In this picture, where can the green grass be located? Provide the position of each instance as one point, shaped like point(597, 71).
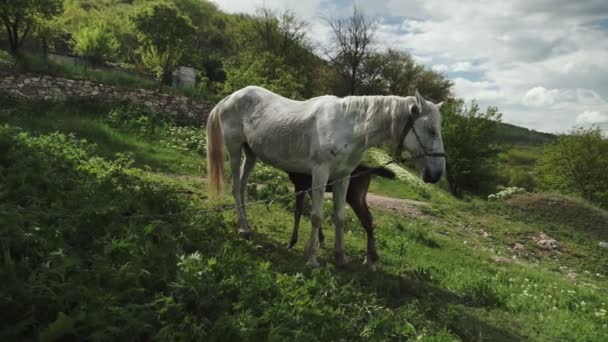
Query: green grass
point(88, 120)
point(97, 247)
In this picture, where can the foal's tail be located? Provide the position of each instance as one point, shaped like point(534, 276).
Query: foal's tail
point(383, 172)
point(215, 155)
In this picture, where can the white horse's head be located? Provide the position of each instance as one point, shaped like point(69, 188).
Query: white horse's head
point(424, 139)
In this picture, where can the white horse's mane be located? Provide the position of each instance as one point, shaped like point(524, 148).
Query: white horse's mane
point(373, 104)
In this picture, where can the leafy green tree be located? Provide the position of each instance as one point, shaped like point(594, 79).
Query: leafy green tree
point(165, 34)
point(19, 17)
point(265, 70)
point(95, 43)
point(576, 164)
point(471, 156)
point(434, 85)
point(400, 72)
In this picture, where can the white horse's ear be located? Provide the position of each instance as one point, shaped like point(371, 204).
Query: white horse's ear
point(439, 105)
point(421, 101)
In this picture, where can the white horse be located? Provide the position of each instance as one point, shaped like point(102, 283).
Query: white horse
point(324, 137)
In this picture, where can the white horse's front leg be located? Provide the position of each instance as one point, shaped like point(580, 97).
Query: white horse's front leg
point(339, 194)
point(235, 168)
point(319, 181)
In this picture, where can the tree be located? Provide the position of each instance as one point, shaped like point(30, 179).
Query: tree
point(400, 72)
point(95, 43)
point(19, 17)
point(164, 33)
point(471, 156)
point(283, 36)
point(265, 70)
point(351, 45)
point(576, 164)
point(433, 85)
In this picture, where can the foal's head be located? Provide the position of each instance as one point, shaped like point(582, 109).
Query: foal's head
point(424, 139)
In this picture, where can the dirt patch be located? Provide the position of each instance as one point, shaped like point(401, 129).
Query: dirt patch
point(406, 207)
point(401, 206)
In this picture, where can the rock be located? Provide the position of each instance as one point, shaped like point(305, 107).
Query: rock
point(547, 244)
point(603, 244)
point(518, 246)
point(501, 260)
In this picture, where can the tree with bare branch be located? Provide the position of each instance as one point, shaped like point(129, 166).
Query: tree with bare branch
point(351, 45)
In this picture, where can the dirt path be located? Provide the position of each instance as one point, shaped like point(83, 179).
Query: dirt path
point(406, 207)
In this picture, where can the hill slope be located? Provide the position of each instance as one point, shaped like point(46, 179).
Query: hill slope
point(118, 246)
point(511, 134)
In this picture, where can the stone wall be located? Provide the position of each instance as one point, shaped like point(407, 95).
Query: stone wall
point(30, 86)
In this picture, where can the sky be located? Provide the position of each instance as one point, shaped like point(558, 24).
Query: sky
point(543, 63)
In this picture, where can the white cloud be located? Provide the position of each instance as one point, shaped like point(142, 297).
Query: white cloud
point(440, 67)
point(462, 66)
point(540, 97)
point(591, 117)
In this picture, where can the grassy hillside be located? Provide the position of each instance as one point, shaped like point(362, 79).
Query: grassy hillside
point(107, 233)
point(511, 134)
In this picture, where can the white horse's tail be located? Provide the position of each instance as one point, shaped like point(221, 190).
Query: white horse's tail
point(215, 155)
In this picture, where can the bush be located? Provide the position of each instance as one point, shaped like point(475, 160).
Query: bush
point(576, 164)
point(95, 43)
point(506, 193)
point(468, 138)
point(264, 70)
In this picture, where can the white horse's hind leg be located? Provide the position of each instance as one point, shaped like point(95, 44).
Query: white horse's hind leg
point(319, 181)
point(235, 167)
point(339, 194)
point(246, 168)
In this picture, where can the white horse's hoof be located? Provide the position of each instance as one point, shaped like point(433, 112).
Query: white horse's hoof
point(312, 262)
point(372, 265)
point(341, 260)
point(245, 234)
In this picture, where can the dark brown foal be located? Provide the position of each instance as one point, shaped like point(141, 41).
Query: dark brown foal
point(355, 197)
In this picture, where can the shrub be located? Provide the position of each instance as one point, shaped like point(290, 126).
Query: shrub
point(468, 137)
point(264, 70)
point(576, 164)
point(506, 193)
point(95, 43)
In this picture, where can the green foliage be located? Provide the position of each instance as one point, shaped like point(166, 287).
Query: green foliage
point(95, 245)
point(510, 134)
point(19, 16)
point(164, 33)
point(576, 164)
point(153, 125)
point(95, 43)
point(264, 70)
point(468, 136)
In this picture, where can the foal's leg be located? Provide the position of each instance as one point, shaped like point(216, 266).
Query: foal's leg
point(235, 160)
point(358, 202)
point(364, 215)
point(339, 193)
point(319, 180)
point(297, 214)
